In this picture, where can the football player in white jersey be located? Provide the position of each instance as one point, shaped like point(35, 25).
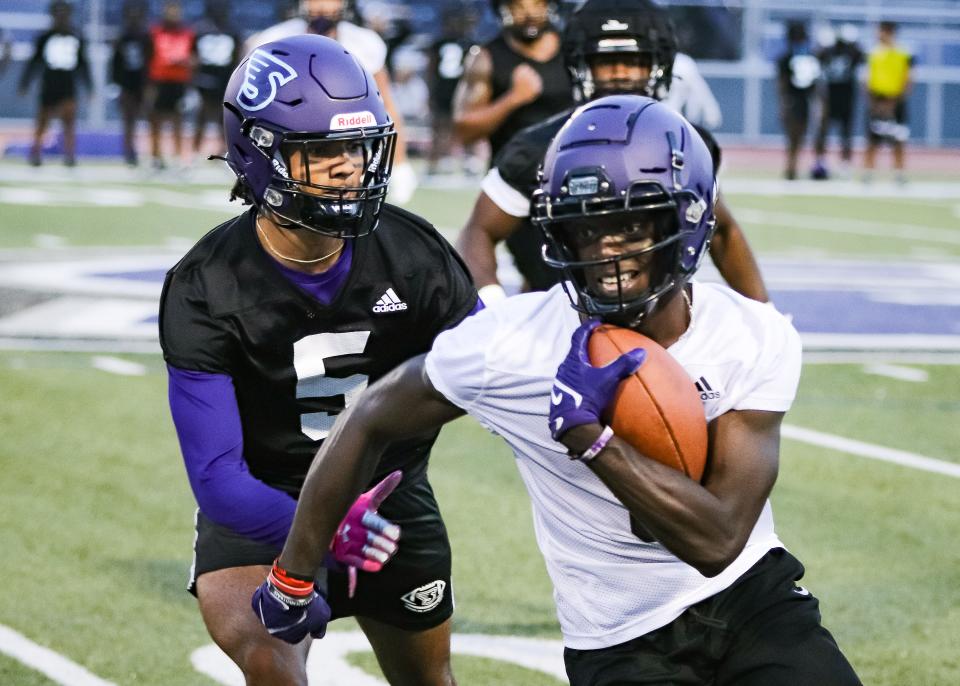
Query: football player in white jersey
point(657, 578)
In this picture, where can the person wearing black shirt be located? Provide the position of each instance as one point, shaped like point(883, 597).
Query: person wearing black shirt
point(271, 326)
point(635, 58)
point(798, 73)
point(839, 63)
point(515, 80)
point(446, 58)
point(59, 57)
point(128, 70)
point(216, 51)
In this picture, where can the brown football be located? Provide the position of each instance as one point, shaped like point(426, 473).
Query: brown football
point(657, 409)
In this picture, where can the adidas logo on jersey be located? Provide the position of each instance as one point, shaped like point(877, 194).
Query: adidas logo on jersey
point(389, 302)
point(706, 392)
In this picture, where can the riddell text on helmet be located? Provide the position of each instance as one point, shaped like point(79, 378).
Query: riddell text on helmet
point(352, 120)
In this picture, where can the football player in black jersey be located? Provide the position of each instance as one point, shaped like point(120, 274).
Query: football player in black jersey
point(270, 326)
point(59, 56)
point(216, 51)
point(514, 80)
point(610, 46)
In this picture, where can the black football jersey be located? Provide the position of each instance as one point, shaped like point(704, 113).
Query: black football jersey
point(215, 50)
point(294, 362)
point(130, 56)
point(518, 164)
point(60, 56)
point(557, 92)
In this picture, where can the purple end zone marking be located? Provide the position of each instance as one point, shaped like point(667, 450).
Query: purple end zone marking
point(154, 275)
point(814, 311)
point(851, 312)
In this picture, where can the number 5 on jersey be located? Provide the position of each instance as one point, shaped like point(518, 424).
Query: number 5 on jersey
point(309, 356)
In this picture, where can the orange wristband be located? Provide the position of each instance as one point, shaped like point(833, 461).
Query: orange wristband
point(288, 583)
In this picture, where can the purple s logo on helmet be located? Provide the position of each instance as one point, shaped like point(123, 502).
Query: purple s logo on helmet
point(263, 77)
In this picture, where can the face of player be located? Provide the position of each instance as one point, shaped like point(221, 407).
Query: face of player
point(528, 18)
point(172, 13)
point(61, 17)
point(134, 16)
point(329, 9)
point(620, 72)
point(630, 237)
point(330, 163)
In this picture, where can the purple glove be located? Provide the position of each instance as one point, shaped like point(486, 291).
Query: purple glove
point(364, 538)
point(580, 390)
point(290, 608)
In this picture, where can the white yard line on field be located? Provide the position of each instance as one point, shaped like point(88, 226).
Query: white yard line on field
point(860, 227)
point(52, 665)
point(871, 451)
point(117, 365)
point(898, 372)
point(328, 665)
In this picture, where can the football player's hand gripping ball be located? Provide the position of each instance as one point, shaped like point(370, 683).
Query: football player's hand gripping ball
point(580, 390)
point(365, 540)
point(289, 607)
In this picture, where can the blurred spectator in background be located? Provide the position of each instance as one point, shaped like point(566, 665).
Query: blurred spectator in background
point(515, 80)
point(888, 85)
point(839, 62)
point(410, 91)
point(60, 59)
point(128, 71)
point(334, 19)
point(446, 56)
point(798, 73)
point(170, 70)
point(391, 21)
point(691, 96)
point(6, 49)
point(215, 52)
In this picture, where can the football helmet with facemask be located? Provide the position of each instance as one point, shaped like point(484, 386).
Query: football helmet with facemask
point(628, 29)
point(626, 205)
point(292, 108)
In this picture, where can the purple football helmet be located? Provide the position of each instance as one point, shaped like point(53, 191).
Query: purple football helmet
point(295, 101)
point(629, 172)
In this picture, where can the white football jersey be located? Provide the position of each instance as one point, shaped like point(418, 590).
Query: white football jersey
point(690, 95)
point(499, 366)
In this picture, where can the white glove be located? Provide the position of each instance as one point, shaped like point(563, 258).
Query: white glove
point(403, 182)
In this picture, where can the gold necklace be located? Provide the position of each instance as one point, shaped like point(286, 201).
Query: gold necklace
point(277, 253)
point(686, 299)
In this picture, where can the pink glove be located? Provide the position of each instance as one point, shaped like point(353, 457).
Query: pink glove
point(364, 538)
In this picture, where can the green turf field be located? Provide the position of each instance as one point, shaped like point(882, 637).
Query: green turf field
point(96, 517)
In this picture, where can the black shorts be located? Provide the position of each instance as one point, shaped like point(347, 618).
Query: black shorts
point(841, 100)
point(56, 96)
point(762, 631)
point(167, 96)
point(795, 111)
point(887, 120)
point(413, 591)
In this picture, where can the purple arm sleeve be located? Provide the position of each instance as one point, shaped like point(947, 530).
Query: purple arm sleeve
point(205, 413)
